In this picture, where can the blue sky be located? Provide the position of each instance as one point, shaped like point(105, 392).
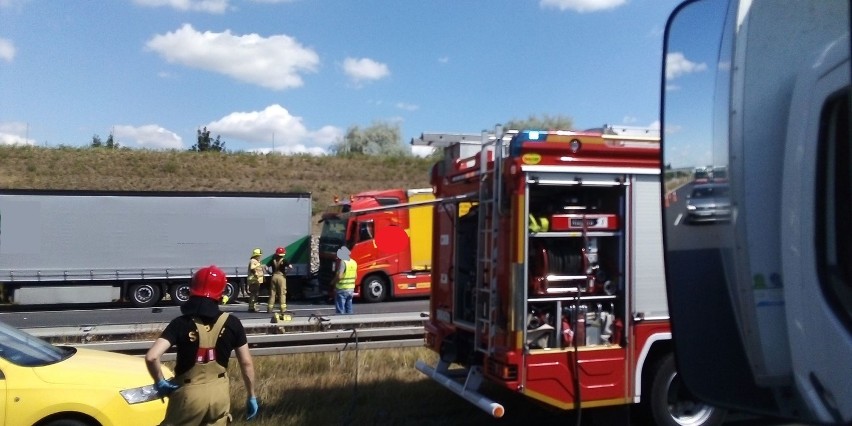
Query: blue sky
point(295, 74)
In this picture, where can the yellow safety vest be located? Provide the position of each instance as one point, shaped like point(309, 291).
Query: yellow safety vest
point(349, 273)
point(539, 225)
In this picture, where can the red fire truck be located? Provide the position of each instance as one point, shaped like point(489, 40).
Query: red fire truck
point(552, 284)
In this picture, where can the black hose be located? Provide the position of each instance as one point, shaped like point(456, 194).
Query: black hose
point(350, 416)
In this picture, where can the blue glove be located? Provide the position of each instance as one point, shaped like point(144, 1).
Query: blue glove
point(165, 387)
point(251, 408)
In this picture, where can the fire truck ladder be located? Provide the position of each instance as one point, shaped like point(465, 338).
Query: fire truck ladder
point(489, 227)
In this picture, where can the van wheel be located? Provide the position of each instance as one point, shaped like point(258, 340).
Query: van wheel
point(179, 293)
point(144, 295)
point(374, 289)
point(671, 404)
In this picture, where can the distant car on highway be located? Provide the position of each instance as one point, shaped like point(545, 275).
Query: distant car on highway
point(708, 202)
point(44, 384)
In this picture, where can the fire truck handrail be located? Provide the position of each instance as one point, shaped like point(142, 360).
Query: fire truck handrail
point(571, 298)
point(550, 234)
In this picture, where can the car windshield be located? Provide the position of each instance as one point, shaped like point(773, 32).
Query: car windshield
point(26, 350)
point(709, 191)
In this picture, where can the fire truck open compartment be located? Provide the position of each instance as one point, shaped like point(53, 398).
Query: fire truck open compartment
point(547, 272)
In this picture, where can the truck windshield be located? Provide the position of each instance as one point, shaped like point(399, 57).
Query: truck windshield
point(333, 229)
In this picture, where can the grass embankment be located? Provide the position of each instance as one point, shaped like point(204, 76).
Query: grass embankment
point(141, 170)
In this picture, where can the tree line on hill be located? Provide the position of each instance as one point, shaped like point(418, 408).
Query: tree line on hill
point(379, 139)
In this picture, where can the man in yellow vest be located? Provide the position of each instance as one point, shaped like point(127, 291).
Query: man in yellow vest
point(344, 282)
point(254, 278)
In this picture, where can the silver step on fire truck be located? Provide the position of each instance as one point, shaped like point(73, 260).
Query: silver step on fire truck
point(552, 284)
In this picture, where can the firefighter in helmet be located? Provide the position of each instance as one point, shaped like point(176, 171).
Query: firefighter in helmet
point(254, 278)
point(278, 267)
point(204, 338)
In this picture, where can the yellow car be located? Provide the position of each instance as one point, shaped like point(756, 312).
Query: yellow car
point(61, 385)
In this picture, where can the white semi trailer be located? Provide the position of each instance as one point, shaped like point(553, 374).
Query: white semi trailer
point(60, 247)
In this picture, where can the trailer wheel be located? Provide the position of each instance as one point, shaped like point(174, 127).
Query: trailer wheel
point(144, 295)
point(179, 293)
point(671, 404)
point(374, 289)
point(230, 291)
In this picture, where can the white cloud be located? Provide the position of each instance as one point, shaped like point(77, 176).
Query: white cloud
point(209, 6)
point(274, 62)
point(582, 5)
point(677, 65)
point(7, 50)
point(364, 69)
point(444, 59)
point(7, 139)
point(10, 134)
point(407, 106)
point(275, 125)
point(148, 136)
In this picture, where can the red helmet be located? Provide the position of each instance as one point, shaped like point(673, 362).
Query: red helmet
point(281, 251)
point(209, 281)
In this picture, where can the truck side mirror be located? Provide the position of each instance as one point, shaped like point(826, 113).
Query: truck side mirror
point(753, 325)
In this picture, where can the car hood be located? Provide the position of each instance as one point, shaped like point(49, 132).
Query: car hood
point(90, 367)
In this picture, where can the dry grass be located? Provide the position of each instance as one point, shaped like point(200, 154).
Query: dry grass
point(142, 170)
point(320, 389)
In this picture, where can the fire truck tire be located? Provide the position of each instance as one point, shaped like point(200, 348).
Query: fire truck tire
point(179, 293)
point(671, 404)
point(144, 295)
point(374, 288)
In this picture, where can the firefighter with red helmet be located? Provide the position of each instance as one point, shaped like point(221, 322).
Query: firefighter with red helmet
point(254, 277)
point(204, 338)
point(278, 266)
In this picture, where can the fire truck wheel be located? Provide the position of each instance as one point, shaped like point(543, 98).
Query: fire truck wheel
point(671, 404)
point(374, 289)
point(144, 295)
point(179, 293)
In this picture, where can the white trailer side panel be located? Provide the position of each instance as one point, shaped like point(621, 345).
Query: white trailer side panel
point(92, 236)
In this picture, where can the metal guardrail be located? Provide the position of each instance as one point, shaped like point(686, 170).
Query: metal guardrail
point(299, 335)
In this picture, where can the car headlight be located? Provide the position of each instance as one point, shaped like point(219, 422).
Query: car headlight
point(141, 394)
point(690, 207)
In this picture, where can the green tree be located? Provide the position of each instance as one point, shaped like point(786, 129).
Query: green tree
point(381, 138)
point(546, 122)
point(206, 143)
point(111, 143)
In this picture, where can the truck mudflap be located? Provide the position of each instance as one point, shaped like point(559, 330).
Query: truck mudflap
point(468, 390)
